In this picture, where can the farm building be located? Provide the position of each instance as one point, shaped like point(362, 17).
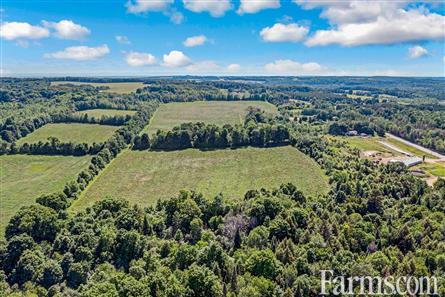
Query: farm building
point(409, 162)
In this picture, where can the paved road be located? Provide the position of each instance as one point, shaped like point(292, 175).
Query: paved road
point(419, 147)
point(395, 148)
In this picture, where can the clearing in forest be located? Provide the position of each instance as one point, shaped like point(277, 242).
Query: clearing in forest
point(219, 113)
point(71, 132)
point(99, 113)
point(115, 87)
point(23, 178)
point(144, 176)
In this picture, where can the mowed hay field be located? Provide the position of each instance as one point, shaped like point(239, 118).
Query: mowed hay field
point(170, 115)
point(25, 177)
point(144, 176)
point(98, 113)
point(71, 132)
point(118, 87)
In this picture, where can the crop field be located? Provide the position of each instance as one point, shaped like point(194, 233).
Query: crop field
point(212, 112)
point(72, 132)
point(25, 177)
point(98, 113)
point(120, 88)
point(143, 177)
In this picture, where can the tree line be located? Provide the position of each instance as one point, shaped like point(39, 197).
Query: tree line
point(117, 120)
point(202, 136)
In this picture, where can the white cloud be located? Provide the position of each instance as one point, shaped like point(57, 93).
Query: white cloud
point(284, 33)
point(67, 29)
point(122, 39)
point(407, 26)
point(216, 8)
point(18, 30)
point(176, 59)
point(142, 6)
point(195, 41)
point(353, 11)
point(204, 67)
point(137, 59)
point(417, 51)
point(365, 22)
point(234, 68)
point(254, 6)
point(289, 67)
point(176, 17)
point(80, 53)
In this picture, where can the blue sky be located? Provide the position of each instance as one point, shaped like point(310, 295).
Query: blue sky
point(222, 37)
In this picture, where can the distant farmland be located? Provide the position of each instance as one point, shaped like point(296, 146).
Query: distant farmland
point(118, 87)
point(212, 112)
point(98, 113)
point(25, 177)
point(143, 177)
point(72, 132)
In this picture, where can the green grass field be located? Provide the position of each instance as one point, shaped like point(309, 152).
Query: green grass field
point(24, 177)
point(98, 113)
point(212, 112)
point(120, 88)
point(142, 176)
point(72, 132)
point(435, 169)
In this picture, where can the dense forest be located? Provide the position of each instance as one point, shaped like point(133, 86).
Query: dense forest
point(375, 220)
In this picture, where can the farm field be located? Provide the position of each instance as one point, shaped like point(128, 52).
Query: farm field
point(212, 112)
point(25, 177)
point(98, 113)
point(71, 132)
point(142, 176)
point(120, 88)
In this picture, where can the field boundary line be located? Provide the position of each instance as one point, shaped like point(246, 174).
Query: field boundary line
point(82, 194)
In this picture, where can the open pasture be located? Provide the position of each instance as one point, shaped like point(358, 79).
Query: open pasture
point(71, 132)
point(23, 178)
point(211, 112)
point(99, 113)
point(143, 177)
point(117, 87)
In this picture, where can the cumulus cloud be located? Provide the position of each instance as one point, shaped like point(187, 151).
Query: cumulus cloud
point(176, 59)
point(289, 67)
point(234, 68)
point(122, 39)
point(67, 29)
point(80, 53)
point(137, 59)
point(164, 6)
point(249, 6)
point(417, 51)
point(216, 8)
point(366, 22)
point(408, 26)
point(20, 30)
point(195, 41)
point(142, 6)
point(352, 11)
point(284, 33)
